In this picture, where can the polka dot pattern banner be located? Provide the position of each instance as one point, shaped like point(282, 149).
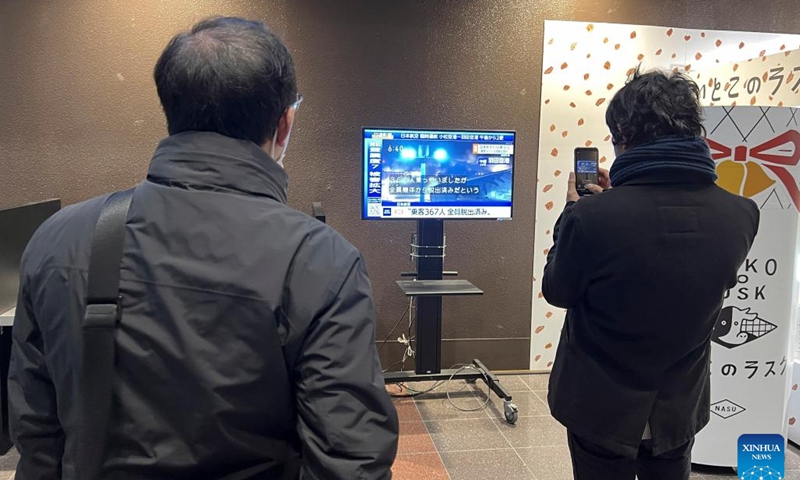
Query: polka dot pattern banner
point(584, 64)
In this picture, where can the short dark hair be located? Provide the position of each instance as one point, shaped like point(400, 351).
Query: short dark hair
point(653, 105)
point(227, 75)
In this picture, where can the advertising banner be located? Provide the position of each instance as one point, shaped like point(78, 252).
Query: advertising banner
point(764, 80)
point(757, 150)
point(585, 64)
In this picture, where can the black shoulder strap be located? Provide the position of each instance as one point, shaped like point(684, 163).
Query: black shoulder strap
point(99, 323)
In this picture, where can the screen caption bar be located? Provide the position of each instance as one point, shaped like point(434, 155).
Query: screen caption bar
point(444, 212)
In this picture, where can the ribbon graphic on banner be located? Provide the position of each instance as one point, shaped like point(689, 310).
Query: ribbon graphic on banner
point(744, 174)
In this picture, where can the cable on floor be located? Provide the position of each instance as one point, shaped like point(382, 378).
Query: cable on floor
point(461, 367)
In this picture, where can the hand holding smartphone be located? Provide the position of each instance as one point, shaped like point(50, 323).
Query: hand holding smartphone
point(587, 169)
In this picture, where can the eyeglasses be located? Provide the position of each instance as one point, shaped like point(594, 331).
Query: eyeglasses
point(297, 102)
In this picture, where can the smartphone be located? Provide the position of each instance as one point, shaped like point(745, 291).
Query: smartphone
point(586, 169)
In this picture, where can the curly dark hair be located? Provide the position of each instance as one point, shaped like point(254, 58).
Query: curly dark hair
point(653, 105)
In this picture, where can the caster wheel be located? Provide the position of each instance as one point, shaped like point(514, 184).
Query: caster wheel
point(511, 412)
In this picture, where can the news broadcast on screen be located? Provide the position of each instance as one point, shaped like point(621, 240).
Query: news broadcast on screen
point(421, 174)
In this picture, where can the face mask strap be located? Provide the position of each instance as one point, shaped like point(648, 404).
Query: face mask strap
point(272, 148)
point(279, 161)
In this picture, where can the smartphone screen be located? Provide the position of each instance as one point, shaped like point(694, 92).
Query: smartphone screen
point(586, 167)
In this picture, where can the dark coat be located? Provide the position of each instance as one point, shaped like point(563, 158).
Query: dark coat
point(247, 335)
point(642, 270)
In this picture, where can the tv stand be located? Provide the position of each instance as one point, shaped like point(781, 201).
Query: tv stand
point(428, 289)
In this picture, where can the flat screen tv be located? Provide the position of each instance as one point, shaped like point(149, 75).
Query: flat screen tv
point(437, 174)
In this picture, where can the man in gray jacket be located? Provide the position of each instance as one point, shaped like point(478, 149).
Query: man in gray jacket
point(245, 348)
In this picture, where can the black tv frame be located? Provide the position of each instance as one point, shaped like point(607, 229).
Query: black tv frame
point(437, 130)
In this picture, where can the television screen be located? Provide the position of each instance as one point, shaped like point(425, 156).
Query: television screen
point(437, 174)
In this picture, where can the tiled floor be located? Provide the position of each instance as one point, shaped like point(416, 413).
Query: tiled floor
point(439, 441)
point(479, 444)
point(8, 463)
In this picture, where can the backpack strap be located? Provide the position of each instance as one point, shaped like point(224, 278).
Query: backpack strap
point(97, 330)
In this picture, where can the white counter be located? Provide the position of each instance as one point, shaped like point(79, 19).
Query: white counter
point(7, 318)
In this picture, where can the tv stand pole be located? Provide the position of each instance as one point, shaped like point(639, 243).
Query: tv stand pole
point(430, 251)
point(428, 288)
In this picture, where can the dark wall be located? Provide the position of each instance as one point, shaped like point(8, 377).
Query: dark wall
point(79, 115)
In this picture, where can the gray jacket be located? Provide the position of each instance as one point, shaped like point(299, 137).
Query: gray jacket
point(246, 346)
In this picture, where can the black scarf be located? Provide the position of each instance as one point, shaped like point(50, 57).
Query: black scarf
point(671, 154)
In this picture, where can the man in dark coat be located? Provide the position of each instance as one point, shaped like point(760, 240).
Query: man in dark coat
point(642, 270)
point(245, 348)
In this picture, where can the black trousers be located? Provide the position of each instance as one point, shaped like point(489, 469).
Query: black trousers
point(593, 462)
